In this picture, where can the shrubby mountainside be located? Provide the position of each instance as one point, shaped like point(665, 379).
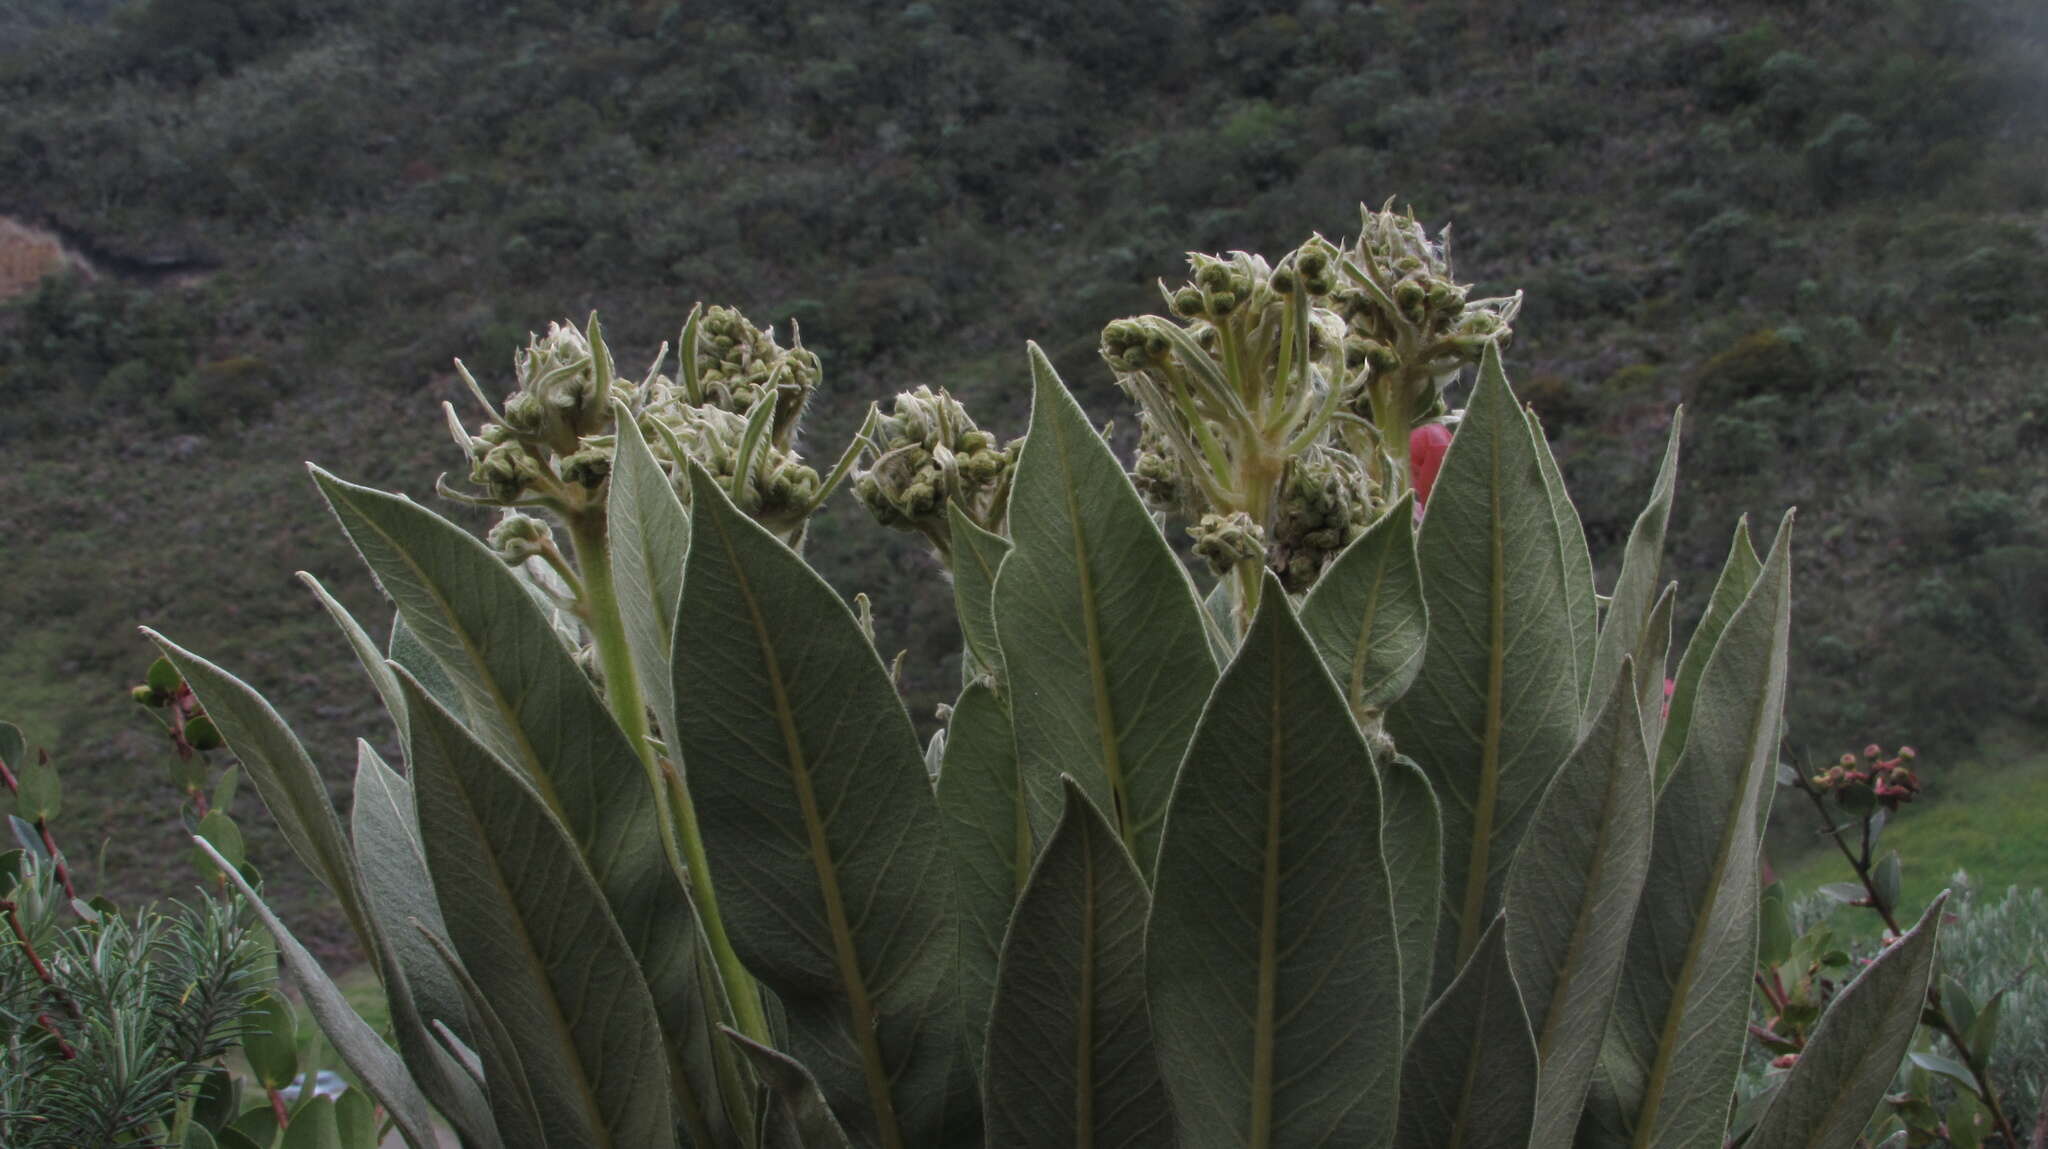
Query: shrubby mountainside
point(1823, 227)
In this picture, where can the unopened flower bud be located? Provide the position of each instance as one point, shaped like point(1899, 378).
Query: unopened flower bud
point(518, 537)
point(588, 468)
point(1228, 540)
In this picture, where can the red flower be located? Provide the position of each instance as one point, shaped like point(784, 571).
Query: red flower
point(1426, 447)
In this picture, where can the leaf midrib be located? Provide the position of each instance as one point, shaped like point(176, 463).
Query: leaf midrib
point(843, 952)
point(1091, 626)
point(1489, 760)
point(1269, 920)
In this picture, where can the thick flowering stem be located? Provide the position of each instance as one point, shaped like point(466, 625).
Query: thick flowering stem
point(600, 611)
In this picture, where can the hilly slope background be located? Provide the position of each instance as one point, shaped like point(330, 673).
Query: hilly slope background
point(1822, 226)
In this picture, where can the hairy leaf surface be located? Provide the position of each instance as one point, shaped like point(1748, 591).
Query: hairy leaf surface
point(988, 834)
point(1627, 618)
point(1103, 647)
point(1273, 967)
point(1468, 1080)
point(1738, 574)
point(1366, 613)
point(648, 536)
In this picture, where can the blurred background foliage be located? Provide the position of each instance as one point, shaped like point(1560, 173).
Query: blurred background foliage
point(1823, 226)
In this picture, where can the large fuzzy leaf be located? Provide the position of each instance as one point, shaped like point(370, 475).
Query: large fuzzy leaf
point(528, 701)
point(285, 776)
point(366, 651)
point(1496, 706)
point(1677, 1031)
point(418, 984)
point(1738, 574)
point(814, 803)
point(797, 1116)
point(1842, 1074)
point(977, 556)
point(1652, 657)
point(1581, 601)
point(1271, 955)
point(1571, 897)
point(1412, 839)
point(1468, 1080)
point(1627, 618)
point(532, 928)
point(375, 1064)
point(1103, 647)
point(1367, 616)
point(649, 535)
point(1070, 1056)
point(988, 835)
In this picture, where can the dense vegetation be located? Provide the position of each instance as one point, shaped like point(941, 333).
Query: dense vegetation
point(1819, 225)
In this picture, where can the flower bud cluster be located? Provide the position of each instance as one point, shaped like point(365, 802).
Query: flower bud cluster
point(1408, 320)
point(1891, 781)
point(553, 444)
point(1326, 501)
point(1227, 540)
point(737, 363)
point(518, 537)
point(927, 452)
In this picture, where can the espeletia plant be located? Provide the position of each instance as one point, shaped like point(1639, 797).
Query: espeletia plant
point(1371, 827)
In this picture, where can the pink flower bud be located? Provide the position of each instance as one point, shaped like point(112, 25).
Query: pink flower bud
point(1785, 1061)
point(1872, 750)
point(1426, 447)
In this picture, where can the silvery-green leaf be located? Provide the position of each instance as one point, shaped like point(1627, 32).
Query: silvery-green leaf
point(813, 800)
point(1651, 656)
point(649, 535)
point(977, 556)
point(376, 1064)
point(1411, 837)
point(418, 985)
point(1627, 619)
point(1571, 896)
point(532, 928)
point(525, 699)
point(1070, 1054)
point(1495, 708)
point(1738, 574)
point(988, 832)
point(1468, 1080)
point(1677, 1030)
point(1366, 613)
point(1104, 651)
point(1849, 1062)
point(797, 1117)
point(1272, 963)
point(406, 650)
point(515, 1114)
point(285, 776)
point(1582, 600)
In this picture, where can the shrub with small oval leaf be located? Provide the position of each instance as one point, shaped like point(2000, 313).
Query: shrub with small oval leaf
point(1382, 834)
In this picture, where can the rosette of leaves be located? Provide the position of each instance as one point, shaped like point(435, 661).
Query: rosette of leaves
point(925, 455)
point(1416, 860)
point(1412, 323)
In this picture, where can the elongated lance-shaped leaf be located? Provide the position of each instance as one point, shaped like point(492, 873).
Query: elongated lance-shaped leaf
point(513, 1110)
point(797, 1116)
point(366, 651)
point(417, 984)
point(649, 535)
point(532, 928)
point(977, 556)
point(285, 776)
point(528, 701)
point(1581, 600)
point(1842, 1074)
point(1571, 896)
point(813, 800)
point(1468, 1080)
point(988, 837)
point(1367, 616)
point(1412, 840)
point(1496, 706)
point(1271, 957)
point(1635, 589)
point(406, 649)
point(1103, 646)
point(1070, 1055)
point(376, 1064)
point(1677, 1029)
point(1738, 574)
point(1652, 656)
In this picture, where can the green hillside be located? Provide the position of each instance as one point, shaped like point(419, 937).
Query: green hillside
point(1821, 226)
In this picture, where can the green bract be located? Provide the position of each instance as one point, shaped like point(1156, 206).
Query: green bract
point(1383, 838)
